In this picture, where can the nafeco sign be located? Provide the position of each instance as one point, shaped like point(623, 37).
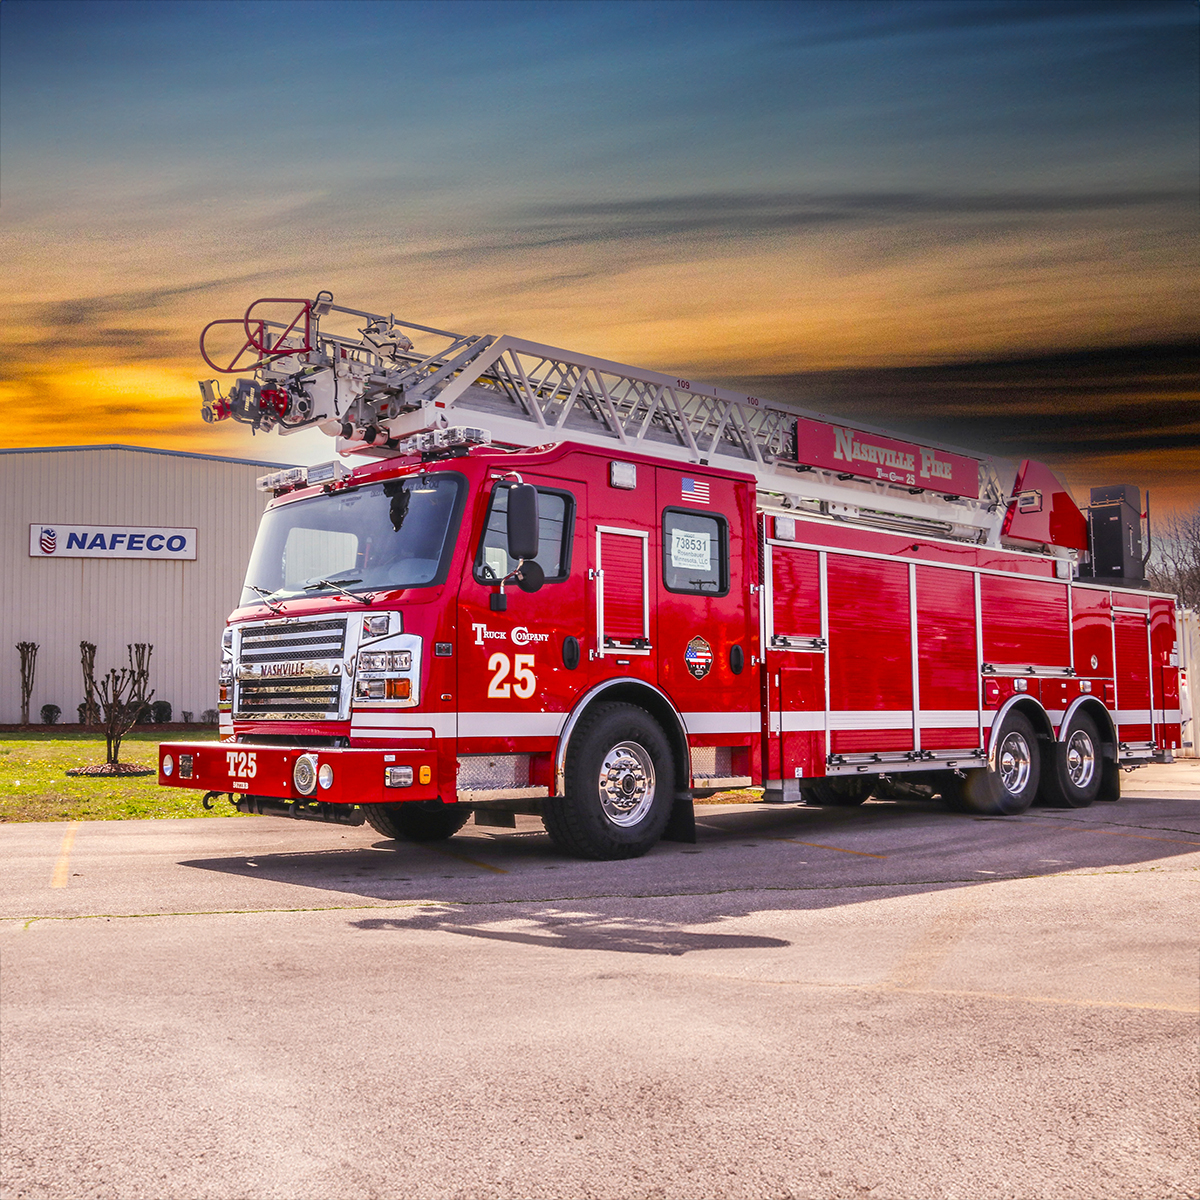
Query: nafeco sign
point(873, 456)
point(51, 539)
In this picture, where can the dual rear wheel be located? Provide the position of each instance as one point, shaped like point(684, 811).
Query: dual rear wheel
point(1062, 774)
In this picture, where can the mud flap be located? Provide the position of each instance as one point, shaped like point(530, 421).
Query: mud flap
point(1110, 780)
point(681, 825)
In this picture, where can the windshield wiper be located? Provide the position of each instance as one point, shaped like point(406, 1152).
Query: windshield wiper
point(337, 587)
point(266, 597)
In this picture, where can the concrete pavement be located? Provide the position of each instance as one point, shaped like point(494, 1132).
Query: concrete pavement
point(895, 1001)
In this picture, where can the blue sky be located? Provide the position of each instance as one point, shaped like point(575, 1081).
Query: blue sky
point(778, 190)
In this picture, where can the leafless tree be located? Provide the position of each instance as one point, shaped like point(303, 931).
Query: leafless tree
point(123, 695)
point(28, 652)
point(1174, 564)
point(90, 713)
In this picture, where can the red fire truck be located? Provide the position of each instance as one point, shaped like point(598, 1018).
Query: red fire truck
point(561, 586)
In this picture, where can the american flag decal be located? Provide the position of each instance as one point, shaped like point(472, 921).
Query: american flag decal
point(697, 657)
point(48, 541)
point(695, 490)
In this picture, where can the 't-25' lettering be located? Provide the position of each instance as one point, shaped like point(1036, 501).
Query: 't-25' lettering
point(524, 681)
point(242, 763)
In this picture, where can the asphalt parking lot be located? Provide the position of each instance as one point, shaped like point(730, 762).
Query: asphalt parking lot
point(895, 1001)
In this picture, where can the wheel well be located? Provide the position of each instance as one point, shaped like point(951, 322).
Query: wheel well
point(1037, 716)
point(1104, 724)
point(654, 703)
point(1032, 711)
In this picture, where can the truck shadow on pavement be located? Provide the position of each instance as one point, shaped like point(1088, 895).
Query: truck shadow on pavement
point(578, 931)
point(791, 857)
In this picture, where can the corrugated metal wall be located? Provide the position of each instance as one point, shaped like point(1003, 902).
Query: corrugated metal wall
point(180, 607)
point(1189, 669)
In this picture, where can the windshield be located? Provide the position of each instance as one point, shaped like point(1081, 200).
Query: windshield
point(397, 534)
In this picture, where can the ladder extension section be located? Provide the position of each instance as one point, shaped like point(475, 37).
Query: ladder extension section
point(376, 389)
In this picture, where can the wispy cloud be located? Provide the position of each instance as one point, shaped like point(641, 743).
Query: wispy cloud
point(1097, 415)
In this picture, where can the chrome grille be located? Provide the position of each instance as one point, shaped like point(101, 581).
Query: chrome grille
point(290, 670)
point(315, 694)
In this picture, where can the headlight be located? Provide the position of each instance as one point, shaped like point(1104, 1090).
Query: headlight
point(168, 765)
point(398, 776)
point(304, 774)
point(385, 660)
point(325, 775)
point(227, 639)
point(383, 689)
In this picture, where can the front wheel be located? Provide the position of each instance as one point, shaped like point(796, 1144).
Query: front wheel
point(620, 785)
point(1073, 776)
point(414, 823)
point(1009, 783)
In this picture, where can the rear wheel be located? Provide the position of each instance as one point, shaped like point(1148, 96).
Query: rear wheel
point(1009, 783)
point(620, 782)
point(844, 792)
point(1073, 776)
point(415, 823)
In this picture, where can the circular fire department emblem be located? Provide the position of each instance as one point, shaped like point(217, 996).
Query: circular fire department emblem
point(698, 657)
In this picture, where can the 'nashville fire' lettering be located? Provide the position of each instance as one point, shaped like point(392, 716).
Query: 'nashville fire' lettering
point(848, 448)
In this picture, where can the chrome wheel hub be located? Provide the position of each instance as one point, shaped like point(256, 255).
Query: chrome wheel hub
point(1014, 762)
point(1081, 759)
point(626, 784)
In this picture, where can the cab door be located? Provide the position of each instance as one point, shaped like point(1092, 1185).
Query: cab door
point(519, 666)
point(707, 618)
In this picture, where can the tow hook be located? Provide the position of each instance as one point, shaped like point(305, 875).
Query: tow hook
point(210, 798)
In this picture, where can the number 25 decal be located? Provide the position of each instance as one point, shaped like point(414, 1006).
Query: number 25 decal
point(524, 680)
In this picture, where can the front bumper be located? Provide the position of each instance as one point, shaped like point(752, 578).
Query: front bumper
point(358, 776)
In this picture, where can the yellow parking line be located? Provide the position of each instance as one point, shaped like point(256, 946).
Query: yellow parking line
point(472, 862)
point(62, 868)
point(839, 849)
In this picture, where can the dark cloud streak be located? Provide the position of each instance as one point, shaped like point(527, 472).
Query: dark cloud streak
point(1066, 408)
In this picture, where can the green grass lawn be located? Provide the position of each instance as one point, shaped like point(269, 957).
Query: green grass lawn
point(34, 785)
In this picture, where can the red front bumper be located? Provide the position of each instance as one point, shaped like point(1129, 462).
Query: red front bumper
point(359, 776)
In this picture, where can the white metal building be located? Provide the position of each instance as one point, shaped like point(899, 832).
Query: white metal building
point(119, 544)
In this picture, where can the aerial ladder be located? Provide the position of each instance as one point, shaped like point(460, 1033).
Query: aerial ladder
point(391, 387)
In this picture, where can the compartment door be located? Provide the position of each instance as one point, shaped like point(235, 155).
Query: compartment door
point(796, 640)
point(622, 591)
point(1131, 636)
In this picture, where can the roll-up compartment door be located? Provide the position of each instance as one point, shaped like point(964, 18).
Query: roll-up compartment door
point(622, 594)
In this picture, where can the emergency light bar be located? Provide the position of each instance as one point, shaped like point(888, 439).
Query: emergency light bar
point(444, 439)
point(333, 472)
point(327, 472)
point(293, 477)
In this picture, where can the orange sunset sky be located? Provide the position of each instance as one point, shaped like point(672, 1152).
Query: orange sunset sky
point(975, 222)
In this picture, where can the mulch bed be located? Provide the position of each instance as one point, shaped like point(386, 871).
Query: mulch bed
point(110, 769)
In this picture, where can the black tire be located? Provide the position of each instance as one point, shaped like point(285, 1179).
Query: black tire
point(1009, 787)
point(1072, 776)
point(415, 823)
point(622, 745)
point(842, 791)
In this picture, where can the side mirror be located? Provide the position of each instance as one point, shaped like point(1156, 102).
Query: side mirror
point(523, 521)
point(530, 576)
